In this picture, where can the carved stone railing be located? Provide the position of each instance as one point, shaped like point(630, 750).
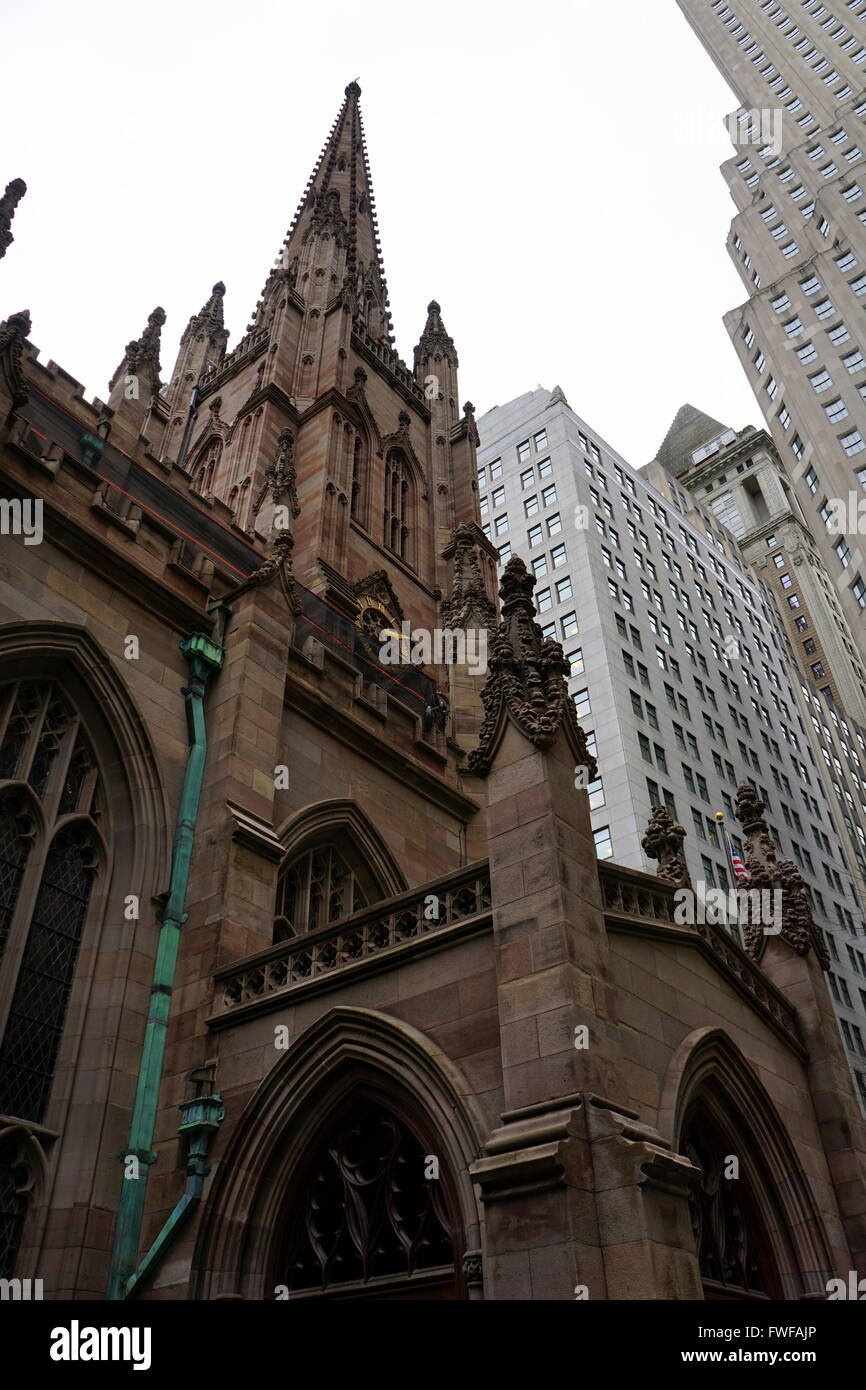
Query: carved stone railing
point(642, 903)
point(459, 900)
point(629, 893)
point(248, 346)
point(391, 360)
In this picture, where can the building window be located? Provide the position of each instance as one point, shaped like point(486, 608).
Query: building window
point(317, 888)
point(399, 505)
point(603, 843)
point(44, 748)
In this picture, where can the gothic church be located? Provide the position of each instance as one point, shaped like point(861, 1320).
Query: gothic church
point(311, 984)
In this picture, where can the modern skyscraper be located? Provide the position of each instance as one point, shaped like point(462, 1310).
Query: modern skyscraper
point(798, 241)
point(738, 479)
point(681, 669)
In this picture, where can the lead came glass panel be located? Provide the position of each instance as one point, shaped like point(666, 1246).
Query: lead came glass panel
point(367, 1211)
point(38, 1010)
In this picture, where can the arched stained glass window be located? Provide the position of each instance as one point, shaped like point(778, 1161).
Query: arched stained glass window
point(16, 833)
point(399, 505)
point(13, 1209)
point(734, 1250)
point(316, 888)
point(366, 1218)
point(35, 1024)
point(46, 754)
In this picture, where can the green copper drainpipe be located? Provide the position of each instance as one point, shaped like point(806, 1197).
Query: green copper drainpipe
point(200, 1119)
point(205, 659)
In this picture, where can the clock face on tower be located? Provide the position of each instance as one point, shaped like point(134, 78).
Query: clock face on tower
point(380, 617)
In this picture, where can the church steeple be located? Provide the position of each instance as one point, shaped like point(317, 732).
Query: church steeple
point(333, 236)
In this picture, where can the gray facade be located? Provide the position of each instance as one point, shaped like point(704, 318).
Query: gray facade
point(683, 675)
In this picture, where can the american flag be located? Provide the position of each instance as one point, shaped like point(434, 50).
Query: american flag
point(737, 864)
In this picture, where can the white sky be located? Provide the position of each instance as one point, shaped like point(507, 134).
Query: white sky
point(547, 171)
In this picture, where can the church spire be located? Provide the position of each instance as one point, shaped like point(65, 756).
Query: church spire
point(338, 208)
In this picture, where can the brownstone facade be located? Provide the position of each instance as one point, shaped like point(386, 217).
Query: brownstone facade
point(424, 1044)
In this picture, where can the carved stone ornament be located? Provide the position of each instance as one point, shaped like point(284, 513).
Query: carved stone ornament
point(208, 324)
point(327, 218)
point(280, 479)
point(527, 680)
point(13, 333)
point(277, 565)
point(375, 592)
point(767, 873)
point(141, 357)
point(8, 203)
point(434, 338)
point(468, 604)
point(664, 841)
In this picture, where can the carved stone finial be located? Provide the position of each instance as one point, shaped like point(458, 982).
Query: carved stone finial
point(209, 323)
point(768, 873)
point(279, 481)
point(435, 339)
point(467, 604)
point(13, 333)
point(404, 420)
point(664, 841)
point(527, 680)
point(141, 358)
point(8, 203)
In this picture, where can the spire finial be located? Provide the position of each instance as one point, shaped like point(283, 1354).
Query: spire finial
point(8, 203)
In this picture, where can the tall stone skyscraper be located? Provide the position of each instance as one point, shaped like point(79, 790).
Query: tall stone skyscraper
point(798, 241)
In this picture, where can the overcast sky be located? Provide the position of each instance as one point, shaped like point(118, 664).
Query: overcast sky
point(547, 171)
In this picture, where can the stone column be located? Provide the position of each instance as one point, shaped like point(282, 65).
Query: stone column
point(581, 1200)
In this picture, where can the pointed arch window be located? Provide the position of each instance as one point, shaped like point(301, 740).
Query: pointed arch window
point(357, 506)
point(317, 888)
point(734, 1250)
point(399, 505)
point(204, 470)
point(45, 757)
point(13, 1208)
point(366, 1221)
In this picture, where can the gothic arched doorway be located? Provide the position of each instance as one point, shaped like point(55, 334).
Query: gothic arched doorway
point(371, 1213)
